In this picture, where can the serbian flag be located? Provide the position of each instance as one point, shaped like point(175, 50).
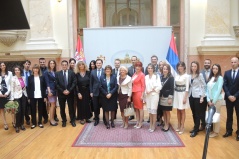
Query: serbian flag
point(172, 55)
point(79, 55)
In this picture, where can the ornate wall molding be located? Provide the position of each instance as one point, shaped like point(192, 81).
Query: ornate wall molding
point(9, 37)
point(236, 30)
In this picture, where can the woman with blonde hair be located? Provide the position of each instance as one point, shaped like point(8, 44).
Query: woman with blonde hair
point(124, 93)
point(83, 92)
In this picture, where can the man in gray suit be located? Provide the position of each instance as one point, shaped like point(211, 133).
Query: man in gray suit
point(154, 61)
point(205, 72)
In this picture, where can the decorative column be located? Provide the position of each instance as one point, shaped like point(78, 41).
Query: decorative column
point(217, 27)
point(160, 17)
point(94, 18)
point(41, 24)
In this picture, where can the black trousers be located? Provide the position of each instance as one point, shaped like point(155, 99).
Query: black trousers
point(70, 102)
point(33, 103)
point(196, 111)
point(97, 106)
point(27, 110)
point(203, 106)
point(230, 108)
point(21, 110)
point(44, 111)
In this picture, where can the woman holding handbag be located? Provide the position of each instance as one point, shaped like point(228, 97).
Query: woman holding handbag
point(214, 96)
point(152, 89)
point(166, 95)
point(19, 94)
point(124, 93)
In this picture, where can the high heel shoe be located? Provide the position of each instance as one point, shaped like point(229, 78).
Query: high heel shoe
point(181, 131)
point(112, 125)
point(17, 129)
point(165, 130)
point(14, 125)
point(5, 127)
point(126, 126)
point(139, 126)
point(107, 126)
point(53, 124)
point(152, 130)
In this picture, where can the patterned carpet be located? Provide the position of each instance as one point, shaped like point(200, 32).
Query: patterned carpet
point(99, 136)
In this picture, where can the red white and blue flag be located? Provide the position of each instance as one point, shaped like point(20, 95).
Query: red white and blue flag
point(172, 56)
point(79, 55)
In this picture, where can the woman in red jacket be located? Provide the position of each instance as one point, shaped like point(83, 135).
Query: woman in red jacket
point(138, 80)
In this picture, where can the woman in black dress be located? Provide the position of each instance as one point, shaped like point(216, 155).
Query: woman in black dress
point(83, 92)
point(166, 95)
point(92, 66)
point(72, 63)
point(108, 93)
point(5, 79)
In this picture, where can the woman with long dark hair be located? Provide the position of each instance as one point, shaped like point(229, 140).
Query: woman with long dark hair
point(214, 94)
point(50, 80)
point(5, 89)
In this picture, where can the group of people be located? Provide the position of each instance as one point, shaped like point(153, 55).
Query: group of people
point(87, 89)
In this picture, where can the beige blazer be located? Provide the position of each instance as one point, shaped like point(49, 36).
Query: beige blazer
point(125, 86)
point(8, 82)
point(16, 89)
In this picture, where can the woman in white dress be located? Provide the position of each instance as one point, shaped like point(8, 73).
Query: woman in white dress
point(181, 101)
point(153, 87)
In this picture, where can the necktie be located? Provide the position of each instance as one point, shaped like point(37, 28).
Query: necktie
point(26, 73)
point(65, 81)
point(98, 74)
point(233, 75)
point(116, 71)
point(207, 75)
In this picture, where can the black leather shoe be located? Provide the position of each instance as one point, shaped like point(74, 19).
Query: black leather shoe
point(131, 117)
point(148, 121)
point(45, 121)
point(227, 134)
point(63, 124)
point(237, 138)
point(96, 123)
point(33, 126)
point(193, 131)
point(112, 125)
point(87, 121)
point(73, 124)
point(28, 122)
point(105, 122)
point(193, 134)
point(23, 128)
point(107, 126)
point(17, 129)
point(40, 125)
point(56, 119)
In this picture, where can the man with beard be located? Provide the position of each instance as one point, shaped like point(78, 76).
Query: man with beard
point(206, 72)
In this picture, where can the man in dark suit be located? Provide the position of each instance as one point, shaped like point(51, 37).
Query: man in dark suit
point(26, 73)
point(116, 70)
point(65, 85)
point(231, 89)
point(95, 89)
point(154, 61)
point(205, 72)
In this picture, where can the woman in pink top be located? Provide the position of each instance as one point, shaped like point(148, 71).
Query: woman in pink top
point(138, 80)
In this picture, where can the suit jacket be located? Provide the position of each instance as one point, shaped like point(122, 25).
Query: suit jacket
point(156, 70)
point(139, 83)
point(125, 86)
point(198, 87)
point(8, 79)
point(231, 87)
point(16, 89)
point(31, 87)
point(113, 72)
point(50, 81)
point(168, 88)
point(60, 85)
point(204, 74)
point(95, 82)
point(131, 71)
point(30, 72)
point(113, 85)
point(215, 92)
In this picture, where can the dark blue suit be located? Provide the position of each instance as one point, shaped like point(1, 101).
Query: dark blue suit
point(95, 89)
point(50, 80)
point(231, 88)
